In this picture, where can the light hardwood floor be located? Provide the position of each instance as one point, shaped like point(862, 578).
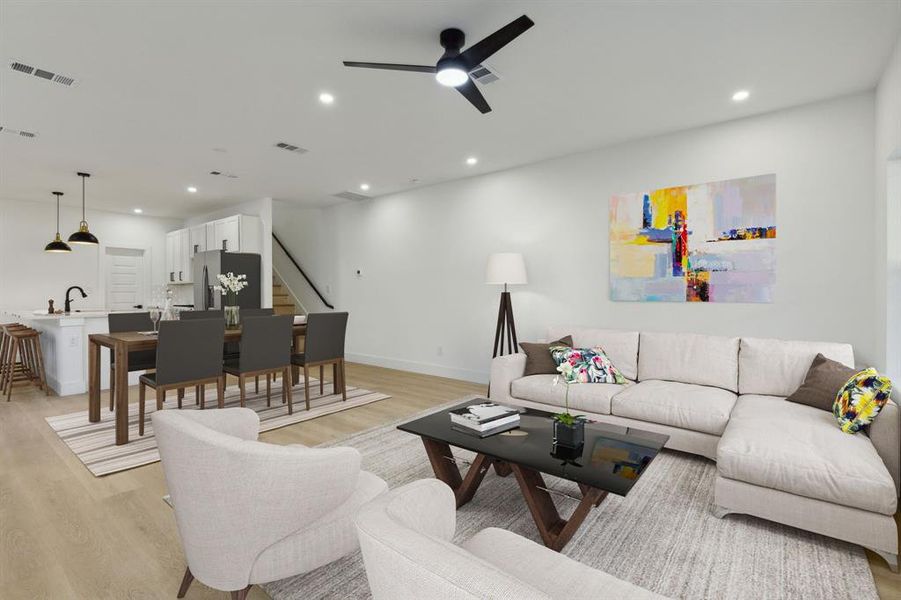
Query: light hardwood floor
point(67, 534)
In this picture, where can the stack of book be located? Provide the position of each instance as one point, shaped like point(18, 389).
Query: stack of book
point(484, 419)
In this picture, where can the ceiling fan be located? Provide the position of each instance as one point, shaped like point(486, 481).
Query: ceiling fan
point(454, 66)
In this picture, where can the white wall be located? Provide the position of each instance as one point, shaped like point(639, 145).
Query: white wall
point(421, 303)
point(29, 276)
point(888, 211)
point(261, 208)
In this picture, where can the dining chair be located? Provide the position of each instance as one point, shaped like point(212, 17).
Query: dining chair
point(138, 360)
point(249, 512)
point(232, 349)
point(187, 353)
point(265, 349)
point(323, 345)
point(191, 315)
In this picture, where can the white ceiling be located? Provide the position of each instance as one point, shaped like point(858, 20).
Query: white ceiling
point(161, 85)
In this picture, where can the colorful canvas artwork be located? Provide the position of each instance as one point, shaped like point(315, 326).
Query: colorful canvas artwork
point(712, 242)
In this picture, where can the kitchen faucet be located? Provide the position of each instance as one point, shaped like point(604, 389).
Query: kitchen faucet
point(68, 307)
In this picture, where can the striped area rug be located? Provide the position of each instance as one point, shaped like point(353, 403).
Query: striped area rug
point(95, 443)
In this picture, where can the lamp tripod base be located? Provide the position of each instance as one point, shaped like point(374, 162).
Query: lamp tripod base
point(505, 341)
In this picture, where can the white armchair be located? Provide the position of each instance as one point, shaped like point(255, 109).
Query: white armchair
point(250, 512)
point(406, 535)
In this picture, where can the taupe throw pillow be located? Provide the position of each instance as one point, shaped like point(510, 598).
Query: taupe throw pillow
point(538, 356)
point(823, 381)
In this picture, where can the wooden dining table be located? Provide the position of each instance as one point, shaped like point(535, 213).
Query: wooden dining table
point(119, 345)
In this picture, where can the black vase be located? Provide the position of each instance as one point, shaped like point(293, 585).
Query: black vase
point(570, 436)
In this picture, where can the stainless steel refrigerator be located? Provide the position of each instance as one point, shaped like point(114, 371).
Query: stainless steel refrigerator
point(207, 265)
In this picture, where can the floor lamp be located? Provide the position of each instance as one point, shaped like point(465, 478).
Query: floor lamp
point(505, 268)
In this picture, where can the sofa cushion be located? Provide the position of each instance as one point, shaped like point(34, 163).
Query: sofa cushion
point(585, 365)
point(824, 380)
point(590, 397)
point(861, 399)
point(689, 358)
point(778, 367)
point(688, 406)
point(798, 449)
point(538, 356)
point(620, 346)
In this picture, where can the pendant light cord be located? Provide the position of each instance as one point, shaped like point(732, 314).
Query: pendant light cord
point(82, 198)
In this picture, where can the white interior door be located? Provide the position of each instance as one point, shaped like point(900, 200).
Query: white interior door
point(124, 278)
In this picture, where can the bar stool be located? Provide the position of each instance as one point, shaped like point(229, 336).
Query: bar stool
point(21, 359)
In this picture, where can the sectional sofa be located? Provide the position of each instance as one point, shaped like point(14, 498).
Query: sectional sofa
point(724, 398)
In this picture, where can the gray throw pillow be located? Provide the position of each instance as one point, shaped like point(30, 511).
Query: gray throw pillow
point(538, 356)
point(823, 381)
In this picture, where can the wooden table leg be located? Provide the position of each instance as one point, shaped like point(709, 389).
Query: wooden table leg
point(555, 531)
point(93, 381)
point(121, 394)
point(446, 469)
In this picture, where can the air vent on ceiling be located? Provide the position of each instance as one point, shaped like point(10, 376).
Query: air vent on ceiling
point(42, 73)
point(229, 175)
point(351, 196)
point(18, 132)
point(484, 74)
point(291, 148)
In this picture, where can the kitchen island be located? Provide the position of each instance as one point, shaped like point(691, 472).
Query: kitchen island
point(64, 342)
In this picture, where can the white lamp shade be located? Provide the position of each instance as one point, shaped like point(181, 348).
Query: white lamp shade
point(506, 268)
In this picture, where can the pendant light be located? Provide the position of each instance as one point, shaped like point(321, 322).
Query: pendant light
point(83, 235)
point(57, 245)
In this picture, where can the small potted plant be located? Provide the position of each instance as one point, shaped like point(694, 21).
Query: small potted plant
point(229, 286)
point(569, 429)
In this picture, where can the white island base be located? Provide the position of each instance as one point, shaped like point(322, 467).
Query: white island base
point(64, 342)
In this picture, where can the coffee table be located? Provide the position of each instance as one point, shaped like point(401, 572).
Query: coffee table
point(612, 460)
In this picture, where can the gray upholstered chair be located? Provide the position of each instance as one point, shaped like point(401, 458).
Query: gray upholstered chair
point(232, 349)
point(187, 353)
point(139, 360)
point(265, 349)
point(193, 315)
point(406, 535)
point(323, 345)
point(249, 512)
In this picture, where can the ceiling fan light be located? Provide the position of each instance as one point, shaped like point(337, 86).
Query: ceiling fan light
point(452, 77)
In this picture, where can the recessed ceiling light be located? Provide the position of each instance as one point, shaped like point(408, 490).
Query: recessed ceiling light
point(472, 160)
point(741, 95)
point(364, 187)
point(326, 98)
point(192, 189)
point(138, 211)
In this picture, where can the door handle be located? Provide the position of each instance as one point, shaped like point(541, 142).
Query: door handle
point(179, 276)
point(225, 244)
point(171, 275)
point(196, 248)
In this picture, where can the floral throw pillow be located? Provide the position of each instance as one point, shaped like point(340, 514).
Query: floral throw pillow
point(861, 399)
point(585, 365)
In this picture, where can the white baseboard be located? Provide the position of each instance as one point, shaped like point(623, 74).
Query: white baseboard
point(420, 367)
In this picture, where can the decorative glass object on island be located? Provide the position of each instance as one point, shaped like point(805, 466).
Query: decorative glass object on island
point(569, 429)
point(229, 286)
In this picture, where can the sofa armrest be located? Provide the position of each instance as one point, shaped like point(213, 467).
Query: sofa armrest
point(885, 433)
point(504, 370)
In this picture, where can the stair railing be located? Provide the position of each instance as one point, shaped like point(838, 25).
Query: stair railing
point(301, 271)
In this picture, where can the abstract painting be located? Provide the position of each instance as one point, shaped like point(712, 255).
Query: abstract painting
point(711, 242)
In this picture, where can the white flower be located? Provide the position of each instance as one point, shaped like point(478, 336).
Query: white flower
point(231, 283)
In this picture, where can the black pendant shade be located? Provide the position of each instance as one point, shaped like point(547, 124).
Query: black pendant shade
point(83, 235)
point(57, 245)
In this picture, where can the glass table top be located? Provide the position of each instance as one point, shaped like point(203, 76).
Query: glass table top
point(613, 457)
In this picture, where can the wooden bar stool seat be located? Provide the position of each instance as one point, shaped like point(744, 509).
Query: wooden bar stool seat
point(21, 359)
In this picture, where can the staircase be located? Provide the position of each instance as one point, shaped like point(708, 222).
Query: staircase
point(282, 302)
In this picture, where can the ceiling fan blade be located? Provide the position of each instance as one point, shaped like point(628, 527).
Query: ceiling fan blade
point(472, 93)
point(475, 54)
point(390, 66)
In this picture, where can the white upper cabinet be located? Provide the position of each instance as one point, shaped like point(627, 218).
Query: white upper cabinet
point(238, 233)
